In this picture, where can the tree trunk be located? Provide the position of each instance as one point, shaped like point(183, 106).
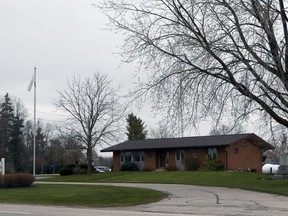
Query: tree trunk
point(89, 160)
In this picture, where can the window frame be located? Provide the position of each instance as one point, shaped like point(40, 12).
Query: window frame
point(131, 155)
point(180, 155)
point(212, 153)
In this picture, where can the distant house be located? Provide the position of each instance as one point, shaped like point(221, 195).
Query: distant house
point(237, 152)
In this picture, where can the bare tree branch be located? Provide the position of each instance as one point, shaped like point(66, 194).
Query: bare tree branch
point(95, 111)
point(220, 57)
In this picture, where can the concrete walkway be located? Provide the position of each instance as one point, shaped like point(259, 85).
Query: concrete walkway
point(198, 200)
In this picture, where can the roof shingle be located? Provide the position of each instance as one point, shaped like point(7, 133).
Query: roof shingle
point(186, 142)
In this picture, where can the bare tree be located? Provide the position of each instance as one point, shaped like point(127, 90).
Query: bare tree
point(95, 111)
point(162, 131)
point(73, 149)
point(226, 129)
point(223, 58)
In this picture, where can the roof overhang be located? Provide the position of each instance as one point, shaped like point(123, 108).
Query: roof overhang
point(188, 143)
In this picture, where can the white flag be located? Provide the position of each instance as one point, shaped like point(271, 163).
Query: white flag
point(31, 82)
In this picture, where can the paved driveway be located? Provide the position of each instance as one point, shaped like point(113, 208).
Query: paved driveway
point(197, 200)
point(183, 200)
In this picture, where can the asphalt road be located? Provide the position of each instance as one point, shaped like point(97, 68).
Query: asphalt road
point(182, 200)
point(22, 210)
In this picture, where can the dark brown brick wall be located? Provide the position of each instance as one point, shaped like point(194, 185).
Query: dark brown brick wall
point(150, 162)
point(116, 161)
point(171, 160)
point(244, 155)
point(221, 153)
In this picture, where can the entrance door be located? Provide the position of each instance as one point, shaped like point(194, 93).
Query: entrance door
point(162, 159)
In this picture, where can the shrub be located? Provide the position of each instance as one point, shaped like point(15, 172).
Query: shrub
point(16, 180)
point(69, 166)
point(8, 180)
point(129, 167)
point(84, 166)
point(66, 171)
point(25, 179)
point(212, 165)
point(72, 169)
point(82, 169)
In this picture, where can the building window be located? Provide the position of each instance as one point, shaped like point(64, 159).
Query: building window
point(131, 157)
point(236, 150)
point(212, 153)
point(138, 156)
point(180, 155)
point(122, 157)
point(128, 157)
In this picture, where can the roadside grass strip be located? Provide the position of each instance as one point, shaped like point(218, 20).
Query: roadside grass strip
point(80, 195)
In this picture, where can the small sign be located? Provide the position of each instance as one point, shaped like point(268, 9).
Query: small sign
point(2, 166)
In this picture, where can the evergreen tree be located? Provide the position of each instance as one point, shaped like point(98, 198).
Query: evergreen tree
point(17, 147)
point(135, 127)
point(6, 128)
point(12, 145)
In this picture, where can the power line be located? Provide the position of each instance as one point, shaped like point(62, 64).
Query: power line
point(52, 114)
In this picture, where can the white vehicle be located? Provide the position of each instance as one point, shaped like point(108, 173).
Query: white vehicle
point(102, 169)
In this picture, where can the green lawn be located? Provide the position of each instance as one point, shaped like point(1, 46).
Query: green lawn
point(79, 195)
point(249, 181)
point(109, 196)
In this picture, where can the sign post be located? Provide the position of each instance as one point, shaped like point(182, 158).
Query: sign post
point(2, 166)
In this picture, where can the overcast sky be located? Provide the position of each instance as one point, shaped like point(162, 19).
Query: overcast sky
point(60, 38)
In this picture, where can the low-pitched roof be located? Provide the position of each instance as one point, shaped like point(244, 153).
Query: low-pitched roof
point(187, 142)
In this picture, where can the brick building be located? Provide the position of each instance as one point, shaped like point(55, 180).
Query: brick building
point(237, 152)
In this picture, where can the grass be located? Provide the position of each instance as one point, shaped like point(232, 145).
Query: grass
point(79, 195)
point(248, 181)
point(109, 196)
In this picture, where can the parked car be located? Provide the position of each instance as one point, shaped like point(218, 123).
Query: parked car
point(102, 169)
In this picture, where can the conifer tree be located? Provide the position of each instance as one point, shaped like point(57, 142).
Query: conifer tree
point(135, 127)
point(6, 125)
point(11, 135)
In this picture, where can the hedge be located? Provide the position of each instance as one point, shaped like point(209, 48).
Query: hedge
point(129, 167)
point(212, 165)
point(16, 180)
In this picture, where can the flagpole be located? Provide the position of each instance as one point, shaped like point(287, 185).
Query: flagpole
point(34, 124)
